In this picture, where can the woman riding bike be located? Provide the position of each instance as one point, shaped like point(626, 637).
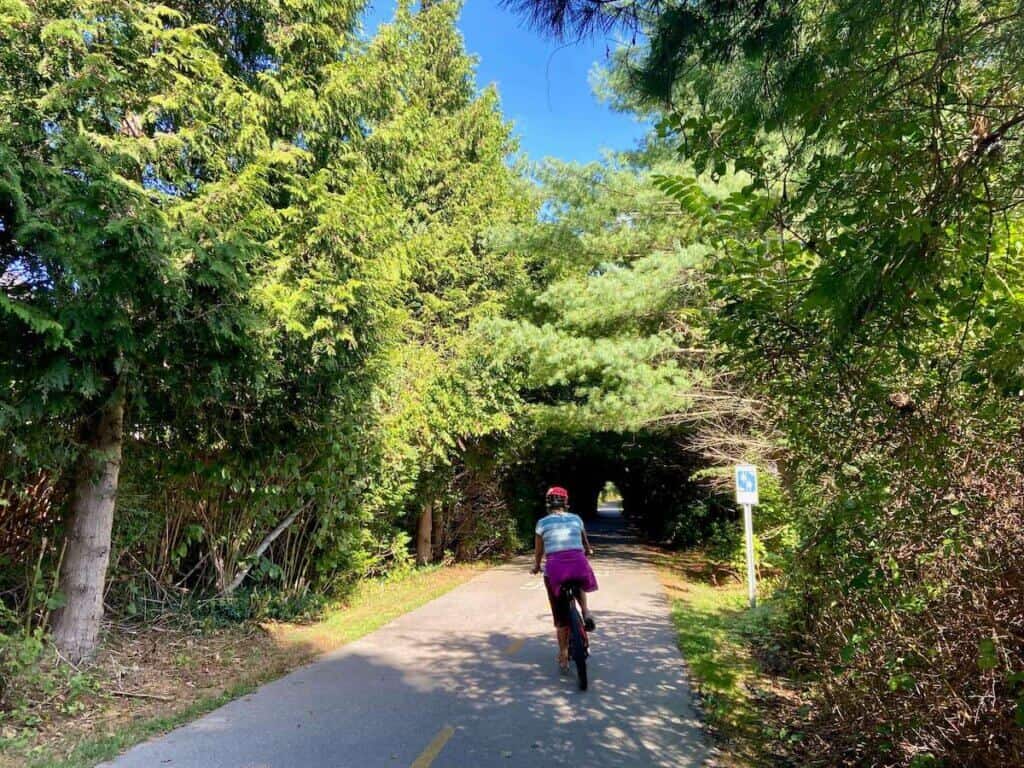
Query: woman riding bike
point(560, 536)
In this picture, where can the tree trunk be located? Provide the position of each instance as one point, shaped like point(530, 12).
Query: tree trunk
point(423, 544)
point(437, 544)
point(84, 571)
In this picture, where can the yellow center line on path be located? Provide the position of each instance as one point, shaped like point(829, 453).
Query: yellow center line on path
point(514, 646)
point(429, 755)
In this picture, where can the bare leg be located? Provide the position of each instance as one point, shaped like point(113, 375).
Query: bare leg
point(563, 646)
point(588, 620)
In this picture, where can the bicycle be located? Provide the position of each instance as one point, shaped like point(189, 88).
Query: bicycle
point(579, 642)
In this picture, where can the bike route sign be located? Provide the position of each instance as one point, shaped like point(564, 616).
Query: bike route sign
point(746, 484)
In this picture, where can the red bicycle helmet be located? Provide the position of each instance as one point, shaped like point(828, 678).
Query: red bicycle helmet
point(557, 496)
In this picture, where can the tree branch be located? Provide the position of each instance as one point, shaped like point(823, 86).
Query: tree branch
point(267, 541)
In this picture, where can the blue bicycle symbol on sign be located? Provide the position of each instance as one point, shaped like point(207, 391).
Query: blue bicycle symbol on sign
point(746, 484)
point(747, 481)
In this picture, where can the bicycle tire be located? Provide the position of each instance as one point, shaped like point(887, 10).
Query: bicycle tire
point(581, 672)
point(577, 648)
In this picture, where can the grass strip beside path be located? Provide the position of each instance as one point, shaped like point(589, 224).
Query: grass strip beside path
point(716, 633)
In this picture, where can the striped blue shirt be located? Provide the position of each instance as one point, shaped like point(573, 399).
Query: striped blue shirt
point(561, 531)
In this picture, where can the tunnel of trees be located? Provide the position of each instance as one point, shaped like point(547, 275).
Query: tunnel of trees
point(653, 472)
point(277, 314)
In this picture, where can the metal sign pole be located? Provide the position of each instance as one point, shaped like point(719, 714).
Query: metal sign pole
point(748, 525)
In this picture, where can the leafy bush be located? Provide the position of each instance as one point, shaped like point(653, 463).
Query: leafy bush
point(258, 605)
point(35, 683)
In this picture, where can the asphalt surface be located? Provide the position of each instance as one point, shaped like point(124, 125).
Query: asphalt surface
point(470, 680)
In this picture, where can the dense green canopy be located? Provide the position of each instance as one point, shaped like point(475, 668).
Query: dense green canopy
point(261, 237)
point(866, 287)
point(276, 295)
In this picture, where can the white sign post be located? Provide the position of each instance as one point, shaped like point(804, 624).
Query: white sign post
point(746, 495)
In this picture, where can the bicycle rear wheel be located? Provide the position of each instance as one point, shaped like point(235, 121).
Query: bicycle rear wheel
point(578, 648)
point(581, 672)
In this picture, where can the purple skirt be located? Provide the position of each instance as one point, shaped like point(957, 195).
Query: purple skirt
point(569, 565)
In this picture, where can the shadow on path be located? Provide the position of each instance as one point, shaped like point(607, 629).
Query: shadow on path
point(480, 660)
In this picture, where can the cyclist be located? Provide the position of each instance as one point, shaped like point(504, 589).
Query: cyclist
point(562, 538)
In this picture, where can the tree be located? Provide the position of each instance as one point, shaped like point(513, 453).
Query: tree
point(243, 255)
point(441, 150)
point(186, 259)
point(120, 122)
point(807, 97)
point(606, 340)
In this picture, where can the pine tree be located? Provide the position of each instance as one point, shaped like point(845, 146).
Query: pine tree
point(619, 293)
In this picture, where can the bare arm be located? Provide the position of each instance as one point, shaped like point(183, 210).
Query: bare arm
point(538, 553)
point(586, 543)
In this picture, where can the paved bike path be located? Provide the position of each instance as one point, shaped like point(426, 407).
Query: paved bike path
point(466, 681)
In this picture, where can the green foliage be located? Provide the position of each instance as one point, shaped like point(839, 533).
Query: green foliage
point(19, 658)
point(328, 301)
point(106, 275)
point(269, 233)
point(256, 605)
point(726, 646)
point(606, 347)
point(596, 344)
point(937, 136)
point(853, 276)
point(863, 288)
point(30, 673)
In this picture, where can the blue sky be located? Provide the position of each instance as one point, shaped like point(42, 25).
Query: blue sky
point(544, 85)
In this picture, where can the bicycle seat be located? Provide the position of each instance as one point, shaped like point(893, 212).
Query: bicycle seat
point(572, 585)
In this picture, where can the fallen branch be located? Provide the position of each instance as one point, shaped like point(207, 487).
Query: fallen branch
point(139, 695)
point(267, 541)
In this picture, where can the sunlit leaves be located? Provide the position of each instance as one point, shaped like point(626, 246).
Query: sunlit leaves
point(621, 290)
